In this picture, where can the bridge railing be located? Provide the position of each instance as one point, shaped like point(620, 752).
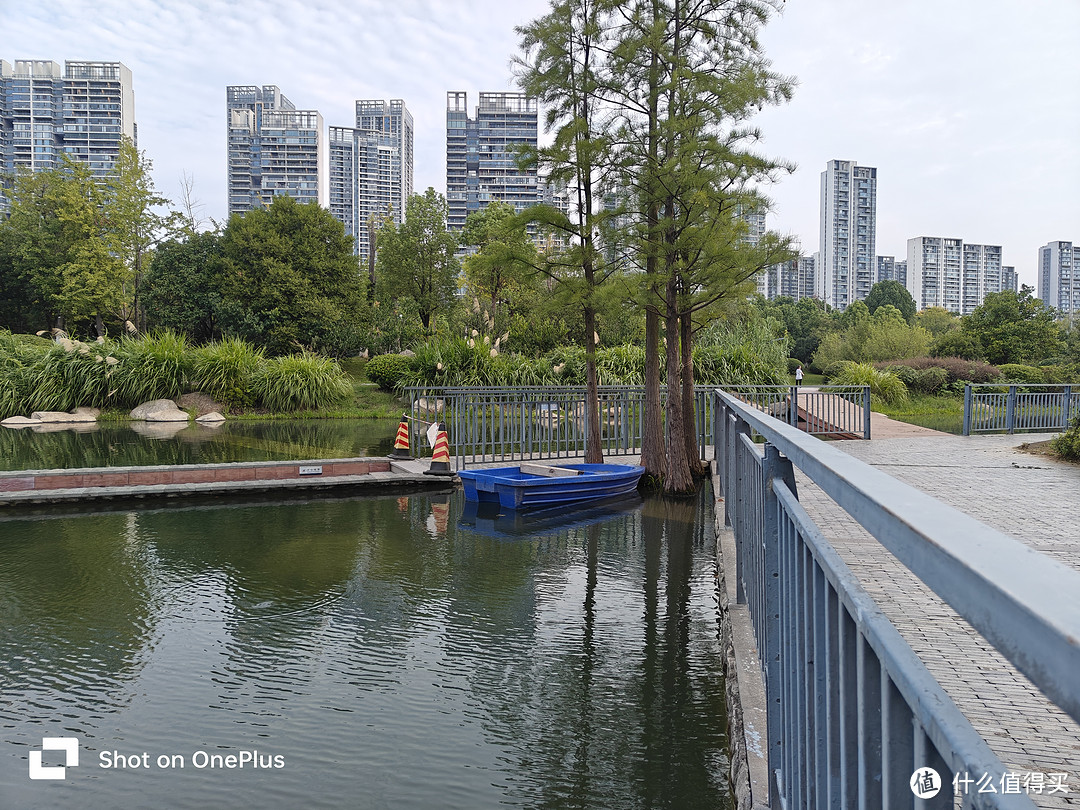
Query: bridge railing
point(838, 411)
point(490, 423)
point(852, 710)
point(990, 408)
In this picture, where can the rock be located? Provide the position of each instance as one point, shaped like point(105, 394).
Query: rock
point(78, 415)
point(213, 417)
point(408, 353)
point(142, 411)
point(165, 415)
point(200, 403)
point(19, 422)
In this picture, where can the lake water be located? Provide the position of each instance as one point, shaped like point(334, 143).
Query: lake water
point(365, 653)
point(135, 444)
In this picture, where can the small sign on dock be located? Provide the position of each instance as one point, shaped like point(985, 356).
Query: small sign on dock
point(315, 470)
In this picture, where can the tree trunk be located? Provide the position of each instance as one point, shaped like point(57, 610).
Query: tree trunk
point(594, 454)
point(679, 480)
point(693, 453)
point(371, 258)
point(99, 325)
point(653, 457)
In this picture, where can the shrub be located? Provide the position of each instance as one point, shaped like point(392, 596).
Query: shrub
point(621, 365)
point(792, 364)
point(958, 369)
point(1024, 375)
point(927, 380)
point(1067, 445)
point(226, 370)
point(386, 370)
point(883, 384)
point(905, 373)
point(152, 367)
point(835, 369)
point(300, 382)
point(736, 365)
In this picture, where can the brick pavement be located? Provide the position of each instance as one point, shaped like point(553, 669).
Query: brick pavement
point(1032, 498)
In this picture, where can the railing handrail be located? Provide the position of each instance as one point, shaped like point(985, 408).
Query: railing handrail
point(1024, 602)
point(1024, 385)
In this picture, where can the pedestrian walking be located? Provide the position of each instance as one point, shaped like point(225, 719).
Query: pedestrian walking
point(798, 376)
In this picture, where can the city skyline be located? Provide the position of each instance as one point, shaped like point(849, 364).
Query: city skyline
point(966, 109)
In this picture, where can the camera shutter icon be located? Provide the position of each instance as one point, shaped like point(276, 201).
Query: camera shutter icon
point(70, 747)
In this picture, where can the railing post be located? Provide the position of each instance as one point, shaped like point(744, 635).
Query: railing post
point(1010, 409)
point(968, 402)
point(774, 467)
point(1066, 401)
point(866, 412)
point(793, 411)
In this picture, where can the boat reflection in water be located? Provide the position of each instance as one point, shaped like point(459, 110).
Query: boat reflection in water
point(494, 520)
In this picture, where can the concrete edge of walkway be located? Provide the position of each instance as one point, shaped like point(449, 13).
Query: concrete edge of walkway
point(368, 481)
point(745, 691)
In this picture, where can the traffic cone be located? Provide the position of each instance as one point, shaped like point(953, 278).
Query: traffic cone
point(440, 513)
point(440, 454)
point(401, 441)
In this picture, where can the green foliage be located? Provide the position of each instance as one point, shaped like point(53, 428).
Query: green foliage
point(928, 380)
point(416, 259)
point(1019, 373)
point(1014, 327)
point(226, 371)
point(181, 289)
point(1067, 445)
point(892, 293)
point(956, 343)
point(937, 321)
point(885, 335)
point(151, 367)
point(388, 370)
point(959, 369)
point(793, 364)
point(300, 382)
point(883, 384)
point(289, 278)
point(834, 369)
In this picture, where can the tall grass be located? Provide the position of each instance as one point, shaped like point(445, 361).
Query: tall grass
point(226, 370)
point(151, 367)
point(300, 382)
point(883, 384)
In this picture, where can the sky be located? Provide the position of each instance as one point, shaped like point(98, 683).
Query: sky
point(969, 109)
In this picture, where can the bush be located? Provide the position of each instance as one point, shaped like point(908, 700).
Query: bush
point(1024, 375)
point(883, 384)
point(793, 363)
point(153, 367)
point(386, 370)
point(905, 373)
point(1067, 445)
point(226, 370)
point(300, 382)
point(958, 369)
point(928, 380)
point(835, 369)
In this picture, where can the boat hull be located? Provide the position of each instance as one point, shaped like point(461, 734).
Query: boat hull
point(513, 489)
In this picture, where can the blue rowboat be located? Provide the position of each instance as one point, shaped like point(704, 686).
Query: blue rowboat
point(537, 485)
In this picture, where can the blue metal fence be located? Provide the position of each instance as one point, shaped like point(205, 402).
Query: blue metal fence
point(852, 710)
point(992, 408)
point(497, 424)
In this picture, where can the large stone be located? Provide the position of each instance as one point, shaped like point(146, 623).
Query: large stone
point(19, 422)
point(165, 415)
point(200, 403)
point(154, 406)
point(211, 418)
point(78, 415)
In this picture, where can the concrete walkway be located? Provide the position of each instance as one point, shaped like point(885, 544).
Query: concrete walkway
point(1032, 498)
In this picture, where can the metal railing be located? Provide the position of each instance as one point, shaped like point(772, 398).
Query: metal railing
point(990, 408)
point(837, 411)
point(852, 710)
point(495, 424)
point(492, 424)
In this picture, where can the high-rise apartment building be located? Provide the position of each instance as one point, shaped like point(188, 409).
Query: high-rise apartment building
point(1059, 276)
point(371, 170)
point(1009, 279)
point(952, 274)
point(889, 269)
point(481, 164)
point(83, 110)
point(793, 279)
point(274, 149)
point(847, 267)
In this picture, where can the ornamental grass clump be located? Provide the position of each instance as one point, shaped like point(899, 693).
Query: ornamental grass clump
point(300, 382)
point(1067, 445)
point(226, 371)
point(884, 385)
point(152, 367)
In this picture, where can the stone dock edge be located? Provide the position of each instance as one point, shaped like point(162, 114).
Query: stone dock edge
point(31, 488)
point(748, 770)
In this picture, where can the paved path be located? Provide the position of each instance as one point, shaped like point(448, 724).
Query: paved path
point(1032, 498)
